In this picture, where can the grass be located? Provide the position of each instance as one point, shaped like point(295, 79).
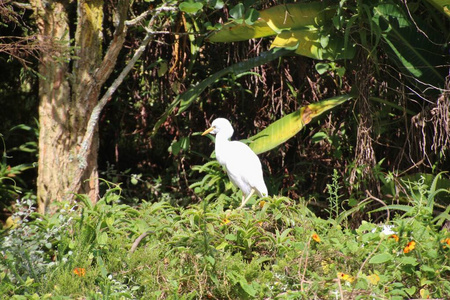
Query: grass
point(277, 249)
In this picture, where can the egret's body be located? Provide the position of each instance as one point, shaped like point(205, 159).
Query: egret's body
point(242, 164)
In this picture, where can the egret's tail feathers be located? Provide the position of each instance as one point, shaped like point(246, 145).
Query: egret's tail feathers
point(262, 191)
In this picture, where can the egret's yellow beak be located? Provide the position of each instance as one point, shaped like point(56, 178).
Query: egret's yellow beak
point(208, 130)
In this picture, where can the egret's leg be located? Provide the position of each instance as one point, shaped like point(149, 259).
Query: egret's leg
point(246, 199)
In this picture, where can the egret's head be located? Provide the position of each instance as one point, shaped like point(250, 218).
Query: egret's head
point(220, 125)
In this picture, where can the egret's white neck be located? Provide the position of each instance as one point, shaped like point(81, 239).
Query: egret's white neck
point(222, 141)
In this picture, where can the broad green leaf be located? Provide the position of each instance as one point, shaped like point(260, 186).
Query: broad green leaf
point(231, 237)
point(222, 246)
point(210, 259)
point(380, 258)
point(408, 260)
point(319, 136)
point(217, 4)
point(321, 68)
point(237, 12)
point(190, 7)
point(285, 128)
point(248, 288)
point(427, 268)
point(102, 238)
point(410, 291)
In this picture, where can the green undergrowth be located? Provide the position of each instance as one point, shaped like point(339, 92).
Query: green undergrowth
point(273, 249)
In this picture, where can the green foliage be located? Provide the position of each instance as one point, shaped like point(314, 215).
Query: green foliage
point(422, 201)
point(27, 248)
point(12, 185)
point(416, 54)
point(206, 250)
point(334, 196)
point(277, 249)
point(305, 27)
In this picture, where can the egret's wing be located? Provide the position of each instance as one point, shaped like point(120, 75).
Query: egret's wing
point(244, 168)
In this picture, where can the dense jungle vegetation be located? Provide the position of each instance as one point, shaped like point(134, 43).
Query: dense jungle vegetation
point(109, 191)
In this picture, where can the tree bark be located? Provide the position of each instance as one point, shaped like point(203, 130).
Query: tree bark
point(55, 141)
point(69, 89)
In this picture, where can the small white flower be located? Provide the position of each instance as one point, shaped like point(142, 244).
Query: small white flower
point(387, 230)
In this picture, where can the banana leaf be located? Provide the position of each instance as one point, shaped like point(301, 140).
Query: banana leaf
point(285, 128)
point(298, 25)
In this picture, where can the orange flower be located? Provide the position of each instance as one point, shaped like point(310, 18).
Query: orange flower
point(409, 247)
point(446, 243)
point(79, 271)
point(346, 277)
point(316, 237)
point(395, 237)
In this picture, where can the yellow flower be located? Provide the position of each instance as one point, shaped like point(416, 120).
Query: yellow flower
point(395, 237)
point(79, 271)
point(316, 237)
point(446, 243)
point(409, 247)
point(346, 277)
point(373, 278)
point(262, 203)
point(225, 221)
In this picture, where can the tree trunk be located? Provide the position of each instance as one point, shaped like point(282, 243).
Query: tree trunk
point(69, 88)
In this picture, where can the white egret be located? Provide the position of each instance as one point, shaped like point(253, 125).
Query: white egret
point(242, 165)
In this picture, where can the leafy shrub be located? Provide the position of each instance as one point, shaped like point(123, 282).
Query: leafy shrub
point(277, 249)
point(28, 247)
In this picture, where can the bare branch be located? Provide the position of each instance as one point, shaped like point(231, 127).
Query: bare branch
point(142, 16)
